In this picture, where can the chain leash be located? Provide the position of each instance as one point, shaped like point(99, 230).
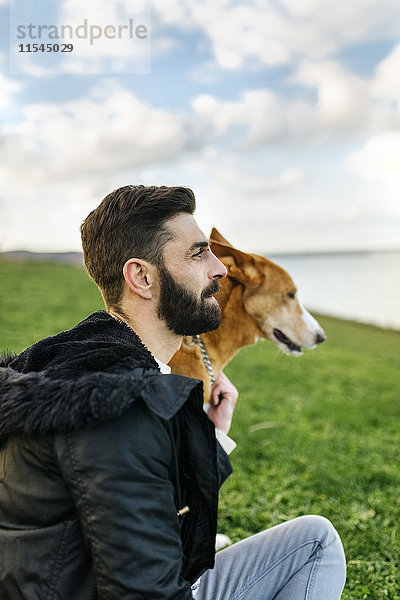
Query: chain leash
point(205, 357)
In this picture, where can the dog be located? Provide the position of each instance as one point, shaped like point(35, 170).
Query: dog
point(258, 299)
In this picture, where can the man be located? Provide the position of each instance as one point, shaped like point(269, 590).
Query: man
point(109, 467)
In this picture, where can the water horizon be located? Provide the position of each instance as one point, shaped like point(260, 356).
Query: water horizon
point(362, 286)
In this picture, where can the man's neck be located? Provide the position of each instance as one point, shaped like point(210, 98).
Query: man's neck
point(154, 333)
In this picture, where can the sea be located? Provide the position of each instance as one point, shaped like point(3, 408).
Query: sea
point(361, 286)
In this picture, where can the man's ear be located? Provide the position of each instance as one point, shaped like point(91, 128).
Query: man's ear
point(139, 277)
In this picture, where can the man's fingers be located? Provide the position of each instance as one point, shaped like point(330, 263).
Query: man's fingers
point(216, 394)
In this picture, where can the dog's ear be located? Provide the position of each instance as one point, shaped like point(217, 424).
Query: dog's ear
point(241, 266)
point(216, 237)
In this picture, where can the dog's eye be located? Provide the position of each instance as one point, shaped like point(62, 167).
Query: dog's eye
point(291, 294)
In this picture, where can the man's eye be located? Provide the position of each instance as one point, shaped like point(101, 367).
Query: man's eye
point(201, 252)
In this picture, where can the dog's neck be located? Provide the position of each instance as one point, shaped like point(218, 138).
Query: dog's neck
point(223, 343)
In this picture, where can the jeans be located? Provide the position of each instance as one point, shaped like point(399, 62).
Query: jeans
point(302, 559)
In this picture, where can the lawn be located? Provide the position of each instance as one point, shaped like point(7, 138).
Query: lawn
point(316, 434)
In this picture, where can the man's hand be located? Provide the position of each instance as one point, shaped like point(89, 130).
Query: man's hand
point(222, 403)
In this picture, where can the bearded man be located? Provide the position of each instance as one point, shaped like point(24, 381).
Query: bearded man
point(109, 466)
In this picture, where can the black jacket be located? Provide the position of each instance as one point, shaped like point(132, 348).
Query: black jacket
point(98, 453)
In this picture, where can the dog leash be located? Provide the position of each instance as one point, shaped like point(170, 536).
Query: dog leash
point(205, 357)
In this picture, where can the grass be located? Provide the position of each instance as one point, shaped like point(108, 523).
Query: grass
point(319, 434)
point(41, 299)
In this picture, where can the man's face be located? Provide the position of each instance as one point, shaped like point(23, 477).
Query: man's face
point(188, 279)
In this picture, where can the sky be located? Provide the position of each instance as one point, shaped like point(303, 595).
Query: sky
point(283, 116)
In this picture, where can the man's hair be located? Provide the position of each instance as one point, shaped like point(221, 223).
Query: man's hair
point(129, 223)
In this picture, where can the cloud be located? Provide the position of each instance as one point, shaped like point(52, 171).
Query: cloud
point(385, 84)
point(162, 45)
point(60, 159)
point(259, 116)
point(253, 160)
point(236, 179)
point(232, 191)
point(111, 130)
point(264, 33)
point(330, 103)
point(377, 167)
point(89, 137)
point(45, 217)
point(379, 159)
point(342, 101)
point(8, 88)
point(346, 103)
point(264, 117)
point(262, 206)
point(288, 179)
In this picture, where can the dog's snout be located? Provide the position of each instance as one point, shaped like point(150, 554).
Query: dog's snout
point(321, 337)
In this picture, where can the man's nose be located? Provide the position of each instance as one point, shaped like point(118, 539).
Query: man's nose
point(219, 269)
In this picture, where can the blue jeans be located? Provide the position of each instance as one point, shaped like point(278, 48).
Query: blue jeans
point(302, 559)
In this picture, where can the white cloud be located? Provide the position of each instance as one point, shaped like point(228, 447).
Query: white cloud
point(346, 103)
point(240, 35)
point(162, 45)
point(64, 157)
point(288, 179)
point(111, 130)
point(87, 138)
point(340, 105)
point(207, 72)
point(60, 160)
point(386, 84)
point(260, 116)
point(237, 180)
point(45, 217)
point(8, 87)
point(265, 117)
point(264, 33)
point(342, 101)
point(238, 195)
point(379, 159)
point(7, 90)
point(377, 167)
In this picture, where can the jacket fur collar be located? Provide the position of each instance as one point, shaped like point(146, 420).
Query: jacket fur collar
point(88, 374)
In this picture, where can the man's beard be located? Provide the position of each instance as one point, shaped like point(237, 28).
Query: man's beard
point(182, 311)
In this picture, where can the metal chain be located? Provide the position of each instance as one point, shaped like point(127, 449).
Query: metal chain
point(205, 357)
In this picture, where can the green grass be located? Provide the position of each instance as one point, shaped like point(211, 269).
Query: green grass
point(319, 434)
point(41, 299)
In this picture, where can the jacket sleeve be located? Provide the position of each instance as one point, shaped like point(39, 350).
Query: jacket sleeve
point(118, 475)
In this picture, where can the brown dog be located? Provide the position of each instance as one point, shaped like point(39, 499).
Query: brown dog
point(258, 299)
